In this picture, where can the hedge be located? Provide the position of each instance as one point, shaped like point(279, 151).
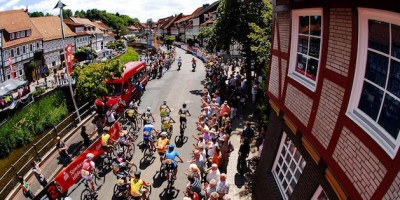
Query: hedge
point(129, 55)
point(32, 120)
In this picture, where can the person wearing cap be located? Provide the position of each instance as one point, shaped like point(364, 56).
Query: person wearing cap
point(124, 138)
point(88, 168)
point(164, 110)
point(120, 158)
point(147, 115)
point(136, 186)
point(171, 154)
point(213, 173)
point(162, 143)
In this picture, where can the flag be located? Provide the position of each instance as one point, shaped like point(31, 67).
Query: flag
point(11, 67)
point(69, 58)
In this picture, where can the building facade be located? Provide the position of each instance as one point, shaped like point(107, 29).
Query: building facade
point(20, 42)
point(96, 35)
point(53, 46)
point(335, 96)
point(82, 38)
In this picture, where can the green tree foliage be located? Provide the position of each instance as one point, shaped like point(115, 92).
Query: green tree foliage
point(128, 56)
point(260, 34)
point(85, 53)
point(169, 39)
point(36, 14)
point(207, 35)
point(32, 120)
point(90, 79)
point(67, 13)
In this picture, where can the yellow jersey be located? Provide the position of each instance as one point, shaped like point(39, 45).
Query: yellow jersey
point(104, 139)
point(136, 185)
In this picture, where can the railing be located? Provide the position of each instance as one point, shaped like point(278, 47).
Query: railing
point(40, 149)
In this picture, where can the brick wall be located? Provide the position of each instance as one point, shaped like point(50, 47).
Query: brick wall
point(360, 165)
point(339, 44)
point(284, 66)
point(273, 85)
point(299, 103)
point(328, 111)
point(394, 190)
point(283, 19)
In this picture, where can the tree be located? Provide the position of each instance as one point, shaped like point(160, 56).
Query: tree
point(207, 37)
point(36, 14)
point(48, 14)
point(67, 13)
point(90, 79)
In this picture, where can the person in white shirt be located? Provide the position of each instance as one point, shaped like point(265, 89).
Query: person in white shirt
point(110, 116)
point(213, 173)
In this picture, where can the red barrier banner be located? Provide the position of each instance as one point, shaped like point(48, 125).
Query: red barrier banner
point(71, 174)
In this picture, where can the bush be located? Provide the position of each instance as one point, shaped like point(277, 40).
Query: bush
point(129, 55)
point(32, 120)
point(38, 92)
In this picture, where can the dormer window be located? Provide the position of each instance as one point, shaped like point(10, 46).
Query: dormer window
point(17, 34)
point(28, 33)
point(22, 34)
point(12, 36)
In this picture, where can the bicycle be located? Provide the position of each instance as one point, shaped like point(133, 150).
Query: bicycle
point(88, 193)
point(148, 153)
point(128, 150)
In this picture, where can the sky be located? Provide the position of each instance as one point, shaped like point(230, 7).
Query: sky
point(141, 9)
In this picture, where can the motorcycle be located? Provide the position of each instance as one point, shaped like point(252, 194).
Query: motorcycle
point(179, 65)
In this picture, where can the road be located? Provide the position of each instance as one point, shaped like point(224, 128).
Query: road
point(176, 87)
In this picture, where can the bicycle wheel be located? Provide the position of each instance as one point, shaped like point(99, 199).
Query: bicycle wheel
point(139, 123)
point(86, 194)
point(131, 150)
point(147, 155)
point(99, 180)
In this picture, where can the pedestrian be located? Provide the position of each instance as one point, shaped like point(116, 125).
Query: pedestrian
point(110, 116)
point(38, 174)
point(222, 186)
point(85, 136)
point(26, 188)
point(100, 123)
point(254, 90)
point(62, 149)
point(226, 149)
point(248, 133)
point(140, 89)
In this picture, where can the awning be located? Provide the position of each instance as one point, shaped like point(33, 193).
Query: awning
point(10, 85)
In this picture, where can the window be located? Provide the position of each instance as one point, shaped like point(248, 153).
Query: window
point(28, 33)
point(12, 53)
point(306, 46)
point(375, 99)
point(22, 33)
point(288, 166)
point(17, 34)
point(12, 36)
point(23, 49)
point(37, 45)
point(30, 47)
point(18, 51)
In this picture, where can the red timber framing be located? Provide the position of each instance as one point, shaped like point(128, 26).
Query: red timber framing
point(392, 165)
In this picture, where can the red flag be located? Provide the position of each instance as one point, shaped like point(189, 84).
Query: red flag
point(69, 58)
point(11, 67)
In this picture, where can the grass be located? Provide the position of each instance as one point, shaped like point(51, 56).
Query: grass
point(129, 55)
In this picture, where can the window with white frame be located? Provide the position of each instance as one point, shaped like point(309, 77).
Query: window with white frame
point(28, 33)
point(288, 166)
point(375, 100)
point(306, 42)
point(22, 33)
point(17, 34)
point(12, 36)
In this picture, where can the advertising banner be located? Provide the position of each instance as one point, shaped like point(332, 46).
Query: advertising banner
point(68, 53)
point(51, 192)
point(71, 174)
point(11, 67)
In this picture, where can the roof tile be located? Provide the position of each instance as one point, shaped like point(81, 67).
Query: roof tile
point(50, 28)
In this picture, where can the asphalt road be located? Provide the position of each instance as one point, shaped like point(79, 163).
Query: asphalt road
point(176, 87)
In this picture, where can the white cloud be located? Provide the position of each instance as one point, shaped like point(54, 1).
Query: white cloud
point(142, 9)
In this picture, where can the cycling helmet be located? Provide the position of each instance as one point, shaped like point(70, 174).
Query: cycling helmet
point(184, 105)
point(120, 152)
point(165, 103)
point(124, 127)
point(131, 105)
point(137, 174)
point(148, 109)
point(164, 134)
point(171, 147)
point(89, 156)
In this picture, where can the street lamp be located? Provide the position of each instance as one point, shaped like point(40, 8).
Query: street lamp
point(60, 5)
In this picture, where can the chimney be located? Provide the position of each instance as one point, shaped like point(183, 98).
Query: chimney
point(205, 5)
point(26, 9)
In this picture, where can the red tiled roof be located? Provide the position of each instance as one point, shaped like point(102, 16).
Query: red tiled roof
point(18, 20)
point(209, 21)
point(173, 20)
point(50, 28)
point(102, 25)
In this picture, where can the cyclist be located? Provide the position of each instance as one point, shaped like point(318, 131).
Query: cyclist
point(124, 138)
point(136, 186)
point(106, 141)
point(147, 135)
point(88, 168)
point(147, 115)
point(120, 158)
point(171, 154)
point(164, 110)
point(162, 143)
point(182, 115)
point(131, 113)
point(166, 124)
